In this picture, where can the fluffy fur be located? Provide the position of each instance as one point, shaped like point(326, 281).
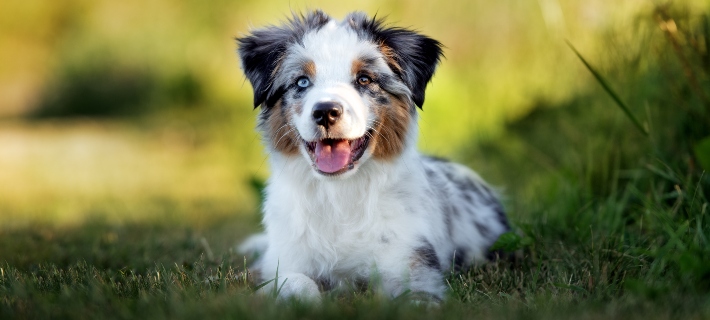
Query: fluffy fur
point(350, 200)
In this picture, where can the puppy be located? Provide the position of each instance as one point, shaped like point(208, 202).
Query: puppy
point(350, 200)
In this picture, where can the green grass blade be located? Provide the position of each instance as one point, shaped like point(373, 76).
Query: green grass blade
point(281, 287)
point(276, 280)
point(263, 284)
point(608, 90)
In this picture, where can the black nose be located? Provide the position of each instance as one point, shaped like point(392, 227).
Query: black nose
point(327, 113)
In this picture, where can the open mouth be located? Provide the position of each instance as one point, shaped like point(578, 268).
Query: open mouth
point(336, 156)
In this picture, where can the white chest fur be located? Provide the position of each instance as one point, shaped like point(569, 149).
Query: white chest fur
point(345, 228)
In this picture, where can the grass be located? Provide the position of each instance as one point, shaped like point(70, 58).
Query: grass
point(637, 254)
point(612, 223)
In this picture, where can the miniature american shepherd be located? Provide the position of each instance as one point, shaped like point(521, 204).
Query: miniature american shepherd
point(350, 200)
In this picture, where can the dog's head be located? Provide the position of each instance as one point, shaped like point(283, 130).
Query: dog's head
point(339, 93)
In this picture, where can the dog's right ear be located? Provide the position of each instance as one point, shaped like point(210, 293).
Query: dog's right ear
point(262, 51)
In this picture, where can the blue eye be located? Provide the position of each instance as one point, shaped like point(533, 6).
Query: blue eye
point(303, 82)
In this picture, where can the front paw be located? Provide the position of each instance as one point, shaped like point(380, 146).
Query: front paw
point(292, 286)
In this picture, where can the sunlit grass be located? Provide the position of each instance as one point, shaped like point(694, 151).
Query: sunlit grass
point(65, 172)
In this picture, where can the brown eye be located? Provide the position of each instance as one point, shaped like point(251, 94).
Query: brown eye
point(364, 80)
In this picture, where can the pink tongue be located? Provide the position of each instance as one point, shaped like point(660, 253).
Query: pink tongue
point(332, 157)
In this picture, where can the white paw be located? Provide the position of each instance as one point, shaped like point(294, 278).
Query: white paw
point(293, 285)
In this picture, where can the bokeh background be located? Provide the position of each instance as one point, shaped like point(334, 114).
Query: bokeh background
point(136, 112)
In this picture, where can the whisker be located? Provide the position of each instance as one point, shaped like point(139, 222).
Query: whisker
point(386, 128)
point(284, 135)
point(381, 135)
point(280, 128)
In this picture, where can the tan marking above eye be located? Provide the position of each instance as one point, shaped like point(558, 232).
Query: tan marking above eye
point(310, 68)
point(357, 66)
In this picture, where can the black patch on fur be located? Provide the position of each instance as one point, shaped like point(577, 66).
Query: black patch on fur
point(440, 192)
point(448, 220)
point(467, 197)
point(267, 112)
point(297, 94)
point(264, 115)
point(451, 177)
point(324, 284)
point(501, 216)
point(261, 51)
point(416, 54)
point(427, 256)
point(365, 90)
point(388, 82)
point(430, 173)
point(492, 201)
point(459, 259)
point(384, 239)
point(483, 229)
point(473, 191)
point(468, 185)
point(382, 100)
point(487, 194)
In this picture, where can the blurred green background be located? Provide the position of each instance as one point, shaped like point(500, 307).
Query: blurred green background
point(132, 111)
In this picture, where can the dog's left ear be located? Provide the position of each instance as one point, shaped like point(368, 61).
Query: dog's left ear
point(259, 54)
point(412, 56)
point(262, 50)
